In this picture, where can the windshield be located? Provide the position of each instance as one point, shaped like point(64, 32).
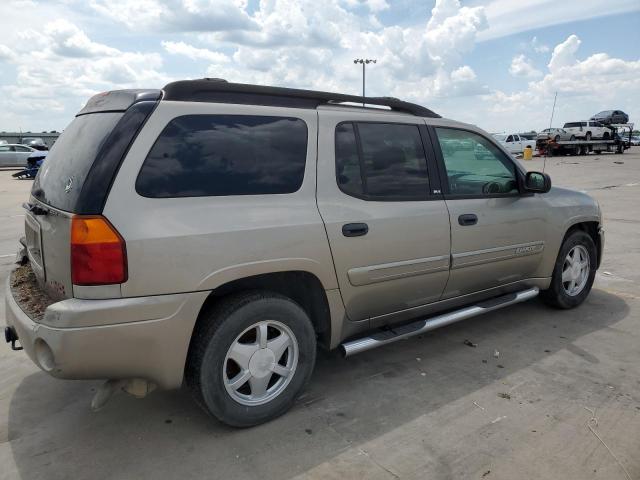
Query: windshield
point(500, 137)
point(61, 177)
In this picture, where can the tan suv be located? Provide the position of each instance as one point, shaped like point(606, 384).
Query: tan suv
point(214, 233)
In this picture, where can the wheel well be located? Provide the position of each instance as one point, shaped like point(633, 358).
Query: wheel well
point(590, 228)
point(302, 287)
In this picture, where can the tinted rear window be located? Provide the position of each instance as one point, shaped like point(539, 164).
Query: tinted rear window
point(382, 162)
point(63, 173)
point(575, 124)
point(216, 155)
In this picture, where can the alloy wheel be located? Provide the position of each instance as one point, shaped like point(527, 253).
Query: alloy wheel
point(575, 270)
point(260, 363)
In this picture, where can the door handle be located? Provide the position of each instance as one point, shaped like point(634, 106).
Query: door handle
point(355, 229)
point(467, 219)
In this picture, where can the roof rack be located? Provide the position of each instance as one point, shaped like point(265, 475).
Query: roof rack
point(220, 91)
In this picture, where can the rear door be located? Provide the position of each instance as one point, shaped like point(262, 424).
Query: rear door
point(497, 232)
point(387, 223)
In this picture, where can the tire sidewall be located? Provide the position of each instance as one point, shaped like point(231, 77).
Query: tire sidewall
point(211, 380)
point(562, 299)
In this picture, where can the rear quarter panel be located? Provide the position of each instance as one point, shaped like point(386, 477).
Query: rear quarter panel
point(190, 244)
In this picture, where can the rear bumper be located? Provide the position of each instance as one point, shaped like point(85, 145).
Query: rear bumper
point(146, 337)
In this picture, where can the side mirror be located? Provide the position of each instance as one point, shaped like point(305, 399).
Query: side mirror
point(537, 182)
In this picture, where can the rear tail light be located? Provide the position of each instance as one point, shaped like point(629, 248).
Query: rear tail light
point(98, 252)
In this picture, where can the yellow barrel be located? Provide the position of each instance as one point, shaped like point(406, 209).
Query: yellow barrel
point(528, 153)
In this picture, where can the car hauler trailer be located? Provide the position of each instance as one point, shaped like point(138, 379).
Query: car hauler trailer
point(619, 142)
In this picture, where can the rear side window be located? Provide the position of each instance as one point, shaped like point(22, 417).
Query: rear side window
point(575, 124)
point(381, 161)
point(61, 177)
point(217, 155)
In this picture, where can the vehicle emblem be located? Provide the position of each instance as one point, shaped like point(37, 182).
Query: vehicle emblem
point(69, 185)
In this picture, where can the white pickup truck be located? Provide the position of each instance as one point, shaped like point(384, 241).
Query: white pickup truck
point(514, 142)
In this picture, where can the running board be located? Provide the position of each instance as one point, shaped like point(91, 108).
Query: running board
point(421, 326)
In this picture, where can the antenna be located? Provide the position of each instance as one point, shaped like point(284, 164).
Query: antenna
point(546, 150)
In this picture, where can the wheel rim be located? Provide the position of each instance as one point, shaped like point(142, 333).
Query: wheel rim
point(260, 363)
point(575, 271)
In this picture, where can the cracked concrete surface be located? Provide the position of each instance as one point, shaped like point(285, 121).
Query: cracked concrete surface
point(428, 407)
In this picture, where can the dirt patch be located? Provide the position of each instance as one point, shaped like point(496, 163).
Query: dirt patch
point(28, 294)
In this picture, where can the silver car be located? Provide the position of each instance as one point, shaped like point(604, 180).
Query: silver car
point(214, 234)
point(555, 134)
point(12, 155)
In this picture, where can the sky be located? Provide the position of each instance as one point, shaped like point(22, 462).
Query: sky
point(494, 63)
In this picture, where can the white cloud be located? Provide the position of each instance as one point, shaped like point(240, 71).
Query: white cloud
point(585, 86)
point(68, 40)
point(452, 30)
point(194, 53)
point(176, 15)
point(538, 47)
point(6, 54)
point(521, 66)
point(463, 74)
point(59, 67)
point(507, 17)
point(564, 53)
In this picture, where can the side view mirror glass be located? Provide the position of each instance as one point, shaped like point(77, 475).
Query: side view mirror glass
point(537, 182)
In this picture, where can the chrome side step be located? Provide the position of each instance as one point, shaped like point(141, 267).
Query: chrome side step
point(421, 326)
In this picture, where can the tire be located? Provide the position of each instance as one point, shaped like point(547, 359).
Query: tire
point(605, 136)
point(560, 294)
point(557, 139)
point(236, 322)
point(573, 138)
point(597, 152)
point(588, 137)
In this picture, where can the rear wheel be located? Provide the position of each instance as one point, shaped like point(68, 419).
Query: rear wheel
point(573, 137)
point(573, 273)
point(557, 139)
point(251, 357)
point(588, 137)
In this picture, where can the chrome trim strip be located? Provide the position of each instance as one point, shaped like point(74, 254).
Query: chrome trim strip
point(391, 271)
point(421, 326)
point(478, 257)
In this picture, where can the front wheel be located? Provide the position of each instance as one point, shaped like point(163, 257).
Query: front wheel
point(573, 273)
point(573, 137)
point(251, 357)
point(588, 137)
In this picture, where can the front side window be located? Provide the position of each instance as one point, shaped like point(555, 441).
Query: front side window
point(474, 165)
point(381, 161)
point(218, 155)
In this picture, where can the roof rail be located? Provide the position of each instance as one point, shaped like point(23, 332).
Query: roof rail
point(220, 91)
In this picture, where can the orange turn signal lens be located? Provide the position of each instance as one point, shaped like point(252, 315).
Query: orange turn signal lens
point(98, 252)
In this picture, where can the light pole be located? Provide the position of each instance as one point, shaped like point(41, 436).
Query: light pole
point(364, 62)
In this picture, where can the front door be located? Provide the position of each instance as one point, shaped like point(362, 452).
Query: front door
point(7, 155)
point(388, 230)
point(497, 232)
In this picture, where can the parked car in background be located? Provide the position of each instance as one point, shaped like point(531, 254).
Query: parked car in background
point(12, 155)
point(555, 134)
point(514, 142)
point(3, 142)
point(32, 141)
point(607, 117)
point(588, 130)
point(635, 141)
